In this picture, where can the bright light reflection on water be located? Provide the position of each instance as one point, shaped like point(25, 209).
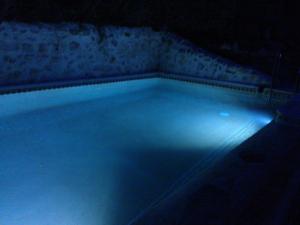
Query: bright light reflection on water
point(224, 114)
point(86, 156)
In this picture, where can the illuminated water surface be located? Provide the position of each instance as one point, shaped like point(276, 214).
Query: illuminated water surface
point(99, 155)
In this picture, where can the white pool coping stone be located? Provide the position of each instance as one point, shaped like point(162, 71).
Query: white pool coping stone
point(279, 97)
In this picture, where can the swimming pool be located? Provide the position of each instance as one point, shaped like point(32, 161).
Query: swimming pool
point(101, 154)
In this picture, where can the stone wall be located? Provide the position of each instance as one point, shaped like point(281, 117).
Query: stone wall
point(40, 53)
point(43, 52)
point(182, 57)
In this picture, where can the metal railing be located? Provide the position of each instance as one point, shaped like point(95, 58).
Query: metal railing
point(275, 70)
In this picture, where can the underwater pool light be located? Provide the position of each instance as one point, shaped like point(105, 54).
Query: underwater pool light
point(224, 114)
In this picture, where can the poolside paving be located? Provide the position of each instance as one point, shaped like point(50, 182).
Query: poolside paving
point(258, 183)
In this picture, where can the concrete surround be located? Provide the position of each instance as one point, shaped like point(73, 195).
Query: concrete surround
point(43, 53)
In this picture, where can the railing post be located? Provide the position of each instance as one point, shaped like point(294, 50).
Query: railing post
point(276, 67)
point(297, 89)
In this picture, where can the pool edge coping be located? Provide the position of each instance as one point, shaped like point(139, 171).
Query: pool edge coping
point(279, 96)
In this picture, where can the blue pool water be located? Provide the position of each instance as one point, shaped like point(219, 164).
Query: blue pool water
point(101, 154)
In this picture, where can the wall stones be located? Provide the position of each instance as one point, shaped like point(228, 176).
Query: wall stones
point(180, 56)
point(32, 53)
point(74, 45)
point(43, 52)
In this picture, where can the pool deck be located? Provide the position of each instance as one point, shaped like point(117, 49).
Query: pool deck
point(258, 183)
point(290, 113)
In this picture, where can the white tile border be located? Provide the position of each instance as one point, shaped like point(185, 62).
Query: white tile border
point(278, 96)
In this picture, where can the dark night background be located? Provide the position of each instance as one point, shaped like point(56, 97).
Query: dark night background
point(249, 32)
